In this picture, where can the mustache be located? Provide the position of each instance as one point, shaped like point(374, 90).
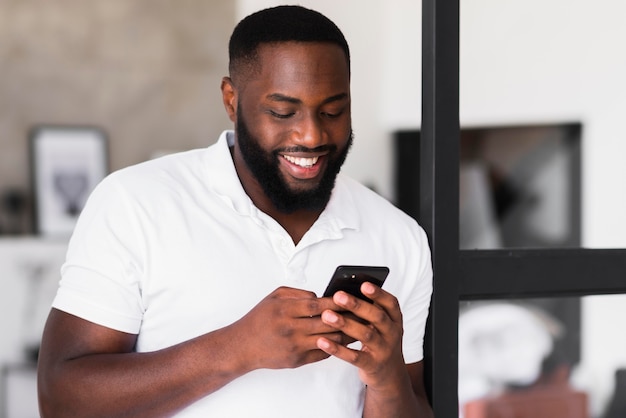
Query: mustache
point(301, 148)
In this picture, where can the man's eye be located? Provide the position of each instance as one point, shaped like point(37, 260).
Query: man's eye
point(331, 115)
point(280, 115)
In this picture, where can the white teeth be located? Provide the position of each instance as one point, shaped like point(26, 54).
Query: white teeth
point(302, 162)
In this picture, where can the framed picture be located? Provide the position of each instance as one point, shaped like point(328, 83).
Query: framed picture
point(519, 185)
point(67, 162)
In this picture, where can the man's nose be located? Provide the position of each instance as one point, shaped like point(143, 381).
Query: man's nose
point(311, 132)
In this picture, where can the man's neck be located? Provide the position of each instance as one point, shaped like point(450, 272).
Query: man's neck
point(295, 223)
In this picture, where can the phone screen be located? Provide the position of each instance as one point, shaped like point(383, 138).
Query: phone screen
point(350, 278)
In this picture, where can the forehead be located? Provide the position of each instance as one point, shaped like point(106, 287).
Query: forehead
point(300, 69)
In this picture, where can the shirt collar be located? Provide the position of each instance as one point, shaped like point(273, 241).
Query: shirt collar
point(340, 212)
point(222, 176)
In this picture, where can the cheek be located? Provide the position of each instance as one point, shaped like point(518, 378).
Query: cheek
point(271, 134)
point(267, 135)
point(343, 133)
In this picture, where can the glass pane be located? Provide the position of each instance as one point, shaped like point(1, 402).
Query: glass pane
point(550, 357)
point(520, 186)
point(546, 63)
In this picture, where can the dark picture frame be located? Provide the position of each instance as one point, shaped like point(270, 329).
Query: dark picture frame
point(67, 162)
point(512, 170)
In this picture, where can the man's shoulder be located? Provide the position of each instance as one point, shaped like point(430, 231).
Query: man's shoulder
point(193, 162)
point(182, 160)
point(171, 170)
point(367, 200)
point(375, 213)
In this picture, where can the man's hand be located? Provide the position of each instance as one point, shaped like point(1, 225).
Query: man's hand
point(283, 329)
point(393, 388)
point(380, 359)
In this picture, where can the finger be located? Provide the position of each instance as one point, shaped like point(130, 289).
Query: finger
point(308, 343)
point(367, 334)
point(384, 310)
point(315, 326)
point(331, 332)
point(350, 315)
point(383, 298)
point(301, 307)
point(366, 311)
point(312, 307)
point(315, 355)
point(356, 358)
point(336, 337)
point(375, 329)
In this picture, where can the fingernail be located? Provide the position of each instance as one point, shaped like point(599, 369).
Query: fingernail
point(368, 288)
point(323, 344)
point(341, 298)
point(330, 316)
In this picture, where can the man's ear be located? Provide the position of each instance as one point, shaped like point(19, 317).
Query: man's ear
point(229, 98)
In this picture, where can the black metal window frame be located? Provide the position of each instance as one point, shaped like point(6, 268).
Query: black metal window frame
point(477, 274)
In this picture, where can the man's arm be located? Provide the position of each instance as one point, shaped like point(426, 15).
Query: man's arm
point(89, 370)
point(407, 399)
point(416, 374)
point(393, 388)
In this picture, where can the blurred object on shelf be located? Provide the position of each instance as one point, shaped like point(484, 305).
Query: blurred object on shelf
point(512, 362)
point(30, 273)
point(551, 397)
point(13, 212)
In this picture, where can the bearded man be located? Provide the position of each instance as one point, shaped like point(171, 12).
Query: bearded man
point(192, 285)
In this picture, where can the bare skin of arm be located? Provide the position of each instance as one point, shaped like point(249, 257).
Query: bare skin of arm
point(89, 370)
point(393, 388)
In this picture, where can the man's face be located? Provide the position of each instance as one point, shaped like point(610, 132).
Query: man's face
point(265, 166)
point(293, 124)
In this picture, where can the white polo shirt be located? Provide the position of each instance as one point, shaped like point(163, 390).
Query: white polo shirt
point(174, 248)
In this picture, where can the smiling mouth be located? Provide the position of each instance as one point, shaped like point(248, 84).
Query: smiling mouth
point(301, 161)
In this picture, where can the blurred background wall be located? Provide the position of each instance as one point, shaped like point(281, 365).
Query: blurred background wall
point(146, 72)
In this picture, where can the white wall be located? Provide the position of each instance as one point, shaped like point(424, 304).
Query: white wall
point(528, 61)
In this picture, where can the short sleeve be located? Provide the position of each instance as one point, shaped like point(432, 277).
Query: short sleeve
point(101, 277)
point(416, 305)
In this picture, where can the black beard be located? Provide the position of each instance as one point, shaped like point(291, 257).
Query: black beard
point(264, 167)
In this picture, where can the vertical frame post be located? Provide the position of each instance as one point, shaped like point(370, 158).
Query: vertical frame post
point(439, 188)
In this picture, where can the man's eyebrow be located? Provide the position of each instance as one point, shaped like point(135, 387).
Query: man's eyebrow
point(336, 98)
point(278, 97)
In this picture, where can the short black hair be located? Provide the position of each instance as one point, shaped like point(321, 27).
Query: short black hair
point(280, 24)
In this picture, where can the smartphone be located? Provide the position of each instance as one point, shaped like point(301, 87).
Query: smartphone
point(350, 278)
